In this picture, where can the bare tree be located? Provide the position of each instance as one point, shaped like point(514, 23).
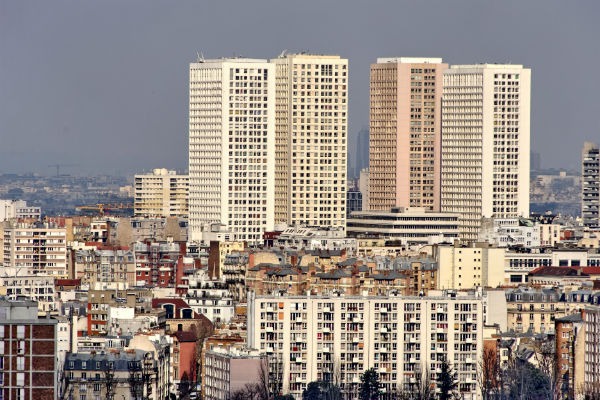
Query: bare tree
point(545, 355)
point(488, 373)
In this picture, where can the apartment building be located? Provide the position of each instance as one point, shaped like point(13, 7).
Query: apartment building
point(569, 355)
point(28, 352)
point(405, 132)
point(36, 248)
point(105, 265)
point(469, 265)
point(485, 143)
point(590, 185)
point(18, 209)
point(229, 370)
point(232, 146)
point(311, 139)
point(310, 338)
point(162, 193)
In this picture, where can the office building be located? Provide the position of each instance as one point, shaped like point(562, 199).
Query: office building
point(485, 143)
point(590, 185)
point(310, 338)
point(232, 147)
point(162, 193)
point(311, 139)
point(28, 352)
point(404, 157)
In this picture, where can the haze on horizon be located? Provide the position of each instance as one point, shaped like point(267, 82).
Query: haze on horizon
point(103, 86)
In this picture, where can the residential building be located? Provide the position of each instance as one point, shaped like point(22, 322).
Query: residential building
point(232, 146)
point(534, 309)
point(310, 338)
point(414, 226)
point(39, 288)
point(36, 248)
point(405, 116)
point(591, 317)
point(569, 355)
point(105, 265)
point(162, 193)
point(311, 139)
point(157, 262)
point(485, 143)
point(469, 265)
point(227, 371)
point(28, 352)
point(510, 232)
point(18, 209)
point(590, 185)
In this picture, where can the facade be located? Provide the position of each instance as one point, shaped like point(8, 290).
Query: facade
point(590, 185)
point(412, 226)
point(28, 352)
point(465, 266)
point(37, 249)
point(591, 318)
point(485, 143)
point(311, 139)
point(533, 309)
point(569, 355)
point(38, 288)
point(106, 265)
point(232, 146)
point(162, 193)
point(18, 209)
point(510, 232)
point(229, 370)
point(404, 156)
point(156, 263)
point(310, 338)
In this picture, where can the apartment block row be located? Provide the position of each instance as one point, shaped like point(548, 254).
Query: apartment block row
point(312, 338)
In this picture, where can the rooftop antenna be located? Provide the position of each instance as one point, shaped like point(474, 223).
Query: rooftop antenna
point(282, 53)
point(199, 57)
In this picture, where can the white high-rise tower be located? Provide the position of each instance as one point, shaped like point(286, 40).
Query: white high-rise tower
point(232, 147)
point(485, 143)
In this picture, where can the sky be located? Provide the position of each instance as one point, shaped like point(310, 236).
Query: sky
point(100, 87)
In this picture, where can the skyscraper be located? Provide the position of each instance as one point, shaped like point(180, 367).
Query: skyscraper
point(590, 185)
point(405, 104)
point(232, 146)
point(311, 139)
point(485, 143)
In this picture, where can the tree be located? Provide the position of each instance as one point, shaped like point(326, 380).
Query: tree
point(488, 373)
point(370, 388)
point(320, 390)
point(447, 381)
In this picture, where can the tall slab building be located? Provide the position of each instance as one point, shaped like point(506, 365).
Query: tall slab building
point(232, 147)
point(485, 143)
point(267, 144)
point(590, 185)
point(311, 144)
point(405, 109)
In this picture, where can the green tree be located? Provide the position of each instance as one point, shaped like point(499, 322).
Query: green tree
point(447, 381)
point(370, 388)
point(320, 390)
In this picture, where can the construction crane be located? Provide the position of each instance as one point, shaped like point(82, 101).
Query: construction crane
point(58, 166)
point(102, 208)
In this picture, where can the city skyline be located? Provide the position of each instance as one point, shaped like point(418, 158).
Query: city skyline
point(82, 77)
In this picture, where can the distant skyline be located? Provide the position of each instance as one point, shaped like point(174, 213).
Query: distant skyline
point(103, 86)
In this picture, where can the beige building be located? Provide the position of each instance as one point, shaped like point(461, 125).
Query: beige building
point(35, 249)
point(313, 338)
point(405, 116)
point(465, 266)
point(485, 143)
point(162, 193)
point(311, 139)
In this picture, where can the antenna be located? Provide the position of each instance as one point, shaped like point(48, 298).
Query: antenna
point(199, 57)
point(282, 53)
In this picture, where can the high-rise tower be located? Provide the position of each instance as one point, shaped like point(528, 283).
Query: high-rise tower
point(232, 147)
point(404, 155)
point(485, 143)
point(311, 139)
point(590, 185)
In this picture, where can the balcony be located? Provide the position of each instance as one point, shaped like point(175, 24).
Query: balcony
point(269, 329)
point(326, 350)
point(270, 309)
point(440, 310)
point(298, 319)
point(469, 320)
point(298, 360)
point(326, 330)
point(269, 350)
point(384, 310)
point(383, 329)
point(412, 360)
point(469, 360)
point(355, 360)
point(326, 309)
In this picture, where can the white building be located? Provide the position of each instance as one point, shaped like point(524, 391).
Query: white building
point(511, 232)
point(16, 209)
point(232, 146)
point(485, 143)
point(162, 193)
point(311, 146)
point(590, 174)
point(410, 225)
point(311, 338)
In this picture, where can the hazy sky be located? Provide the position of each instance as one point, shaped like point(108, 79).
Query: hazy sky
point(102, 85)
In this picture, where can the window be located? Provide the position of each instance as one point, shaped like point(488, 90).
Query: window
point(20, 379)
point(20, 331)
point(20, 363)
